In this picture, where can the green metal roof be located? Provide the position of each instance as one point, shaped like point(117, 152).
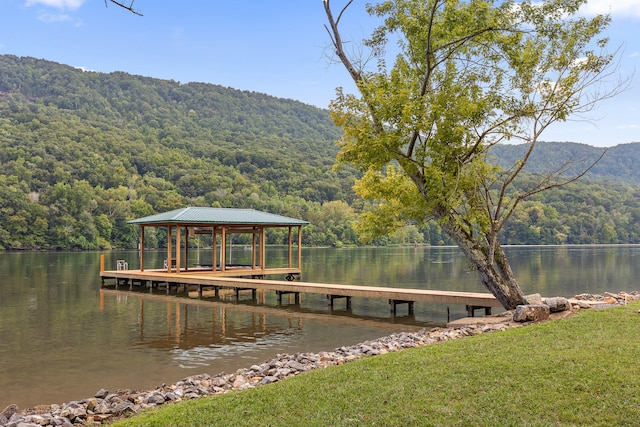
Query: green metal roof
point(217, 216)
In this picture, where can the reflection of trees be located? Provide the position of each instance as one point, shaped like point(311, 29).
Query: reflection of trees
point(548, 270)
point(421, 268)
point(571, 270)
point(44, 295)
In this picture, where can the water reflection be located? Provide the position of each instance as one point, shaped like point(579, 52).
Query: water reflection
point(202, 355)
point(180, 321)
point(62, 337)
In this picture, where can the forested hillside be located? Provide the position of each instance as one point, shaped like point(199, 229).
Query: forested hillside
point(83, 152)
point(618, 164)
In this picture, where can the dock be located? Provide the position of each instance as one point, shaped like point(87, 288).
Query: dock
point(216, 226)
point(206, 280)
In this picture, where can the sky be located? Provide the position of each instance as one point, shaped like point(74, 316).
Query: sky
point(276, 47)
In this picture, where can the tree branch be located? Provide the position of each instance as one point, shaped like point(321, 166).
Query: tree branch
point(124, 6)
point(336, 39)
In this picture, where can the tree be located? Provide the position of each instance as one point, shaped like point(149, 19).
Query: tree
point(467, 75)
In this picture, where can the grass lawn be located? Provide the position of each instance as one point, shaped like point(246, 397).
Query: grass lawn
point(583, 370)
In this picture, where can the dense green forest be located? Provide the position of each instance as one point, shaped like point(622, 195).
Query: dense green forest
point(83, 152)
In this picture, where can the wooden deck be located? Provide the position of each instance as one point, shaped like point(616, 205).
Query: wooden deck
point(209, 279)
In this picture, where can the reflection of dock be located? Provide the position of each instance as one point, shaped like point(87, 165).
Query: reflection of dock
point(185, 332)
point(199, 332)
point(209, 280)
point(295, 314)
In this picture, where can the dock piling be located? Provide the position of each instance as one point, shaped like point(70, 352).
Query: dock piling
point(393, 306)
point(331, 298)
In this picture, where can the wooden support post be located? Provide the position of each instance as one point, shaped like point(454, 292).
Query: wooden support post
point(223, 248)
point(237, 290)
point(296, 296)
point(299, 246)
point(263, 248)
point(254, 259)
point(331, 298)
point(178, 249)
point(471, 310)
point(214, 240)
point(169, 249)
point(186, 248)
point(393, 305)
point(142, 248)
point(199, 291)
point(290, 252)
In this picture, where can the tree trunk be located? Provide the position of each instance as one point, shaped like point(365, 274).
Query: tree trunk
point(495, 271)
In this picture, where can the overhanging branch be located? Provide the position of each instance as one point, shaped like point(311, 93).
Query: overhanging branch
point(124, 6)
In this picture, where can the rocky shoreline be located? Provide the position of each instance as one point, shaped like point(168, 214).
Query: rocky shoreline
point(107, 406)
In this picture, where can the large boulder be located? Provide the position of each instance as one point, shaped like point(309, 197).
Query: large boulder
point(533, 299)
point(10, 410)
point(531, 313)
point(557, 304)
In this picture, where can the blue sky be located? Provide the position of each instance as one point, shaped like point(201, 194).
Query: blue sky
point(276, 47)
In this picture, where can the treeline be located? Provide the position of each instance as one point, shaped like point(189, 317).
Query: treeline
point(82, 152)
point(583, 212)
point(616, 164)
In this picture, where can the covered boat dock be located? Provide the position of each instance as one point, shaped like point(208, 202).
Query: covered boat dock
point(183, 224)
point(220, 224)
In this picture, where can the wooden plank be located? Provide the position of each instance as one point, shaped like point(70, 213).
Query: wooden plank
point(477, 299)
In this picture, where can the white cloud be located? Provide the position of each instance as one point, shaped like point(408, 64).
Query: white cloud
point(52, 18)
point(58, 4)
point(617, 8)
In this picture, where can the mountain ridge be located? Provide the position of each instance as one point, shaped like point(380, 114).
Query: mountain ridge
point(81, 152)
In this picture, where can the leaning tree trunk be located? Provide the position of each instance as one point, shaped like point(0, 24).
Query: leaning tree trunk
point(493, 266)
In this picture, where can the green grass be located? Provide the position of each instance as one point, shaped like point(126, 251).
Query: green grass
point(580, 371)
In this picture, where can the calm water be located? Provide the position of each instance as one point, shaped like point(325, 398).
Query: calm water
point(63, 338)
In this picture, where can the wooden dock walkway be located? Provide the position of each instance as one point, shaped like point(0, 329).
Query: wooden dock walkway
point(206, 280)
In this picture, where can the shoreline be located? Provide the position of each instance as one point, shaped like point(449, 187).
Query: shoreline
point(110, 406)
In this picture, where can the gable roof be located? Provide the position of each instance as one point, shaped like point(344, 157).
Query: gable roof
point(217, 216)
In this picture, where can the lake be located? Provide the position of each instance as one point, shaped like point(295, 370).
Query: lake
point(63, 338)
